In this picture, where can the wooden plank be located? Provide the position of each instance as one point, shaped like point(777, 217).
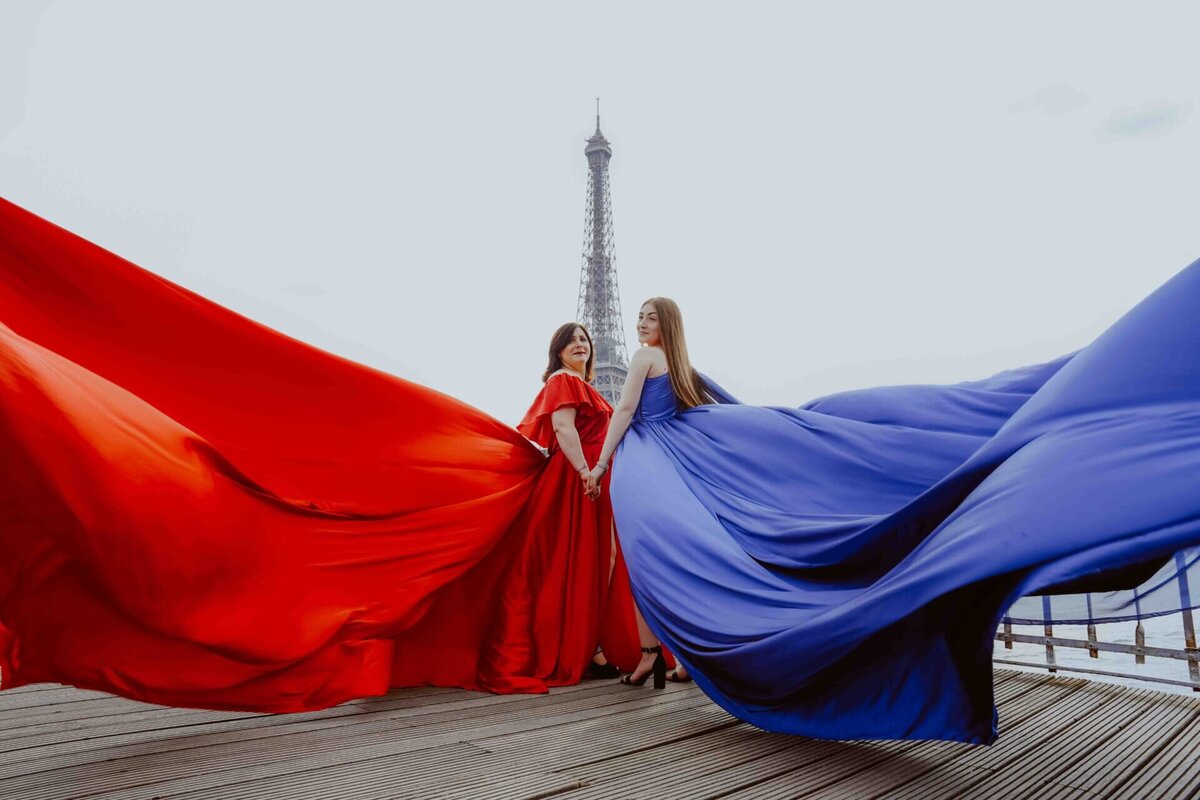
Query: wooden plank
point(388, 776)
point(36, 739)
point(1061, 738)
point(1046, 715)
point(905, 764)
point(43, 694)
point(1055, 755)
point(1136, 741)
point(724, 763)
point(1011, 684)
point(1033, 754)
point(156, 723)
point(635, 724)
point(845, 760)
point(811, 758)
point(620, 738)
point(134, 771)
point(737, 742)
point(633, 775)
point(458, 770)
point(149, 719)
point(34, 711)
point(1171, 773)
point(897, 770)
point(415, 710)
point(1014, 711)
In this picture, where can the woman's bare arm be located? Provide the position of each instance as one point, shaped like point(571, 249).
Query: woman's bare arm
point(563, 420)
point(639, 368)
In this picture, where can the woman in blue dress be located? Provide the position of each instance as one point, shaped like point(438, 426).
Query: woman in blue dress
point(660, 326)
point(839, 570)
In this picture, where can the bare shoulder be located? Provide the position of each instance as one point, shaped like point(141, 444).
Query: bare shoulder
point(652, 359)
point(566, 372)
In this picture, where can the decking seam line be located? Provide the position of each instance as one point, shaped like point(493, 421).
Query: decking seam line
point(1139, 732)
point(716, 748)
point(954, 760)
point(1153, 754)
point(615, 709)
point(268, 720)
point(1116, 720)
point(1070, 757)
point(826, 751)
point(319, 768)
point(882, 756)
point(1192, 734)
point(730, 723)
point(275, 722)
point(234, 768)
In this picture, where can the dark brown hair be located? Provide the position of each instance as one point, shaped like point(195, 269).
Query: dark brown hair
point(561, 338)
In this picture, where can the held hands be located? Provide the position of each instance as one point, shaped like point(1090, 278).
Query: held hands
point(592, 481)
point(589, 491)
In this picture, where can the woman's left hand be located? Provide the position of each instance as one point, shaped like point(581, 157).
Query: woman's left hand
point(592, 484)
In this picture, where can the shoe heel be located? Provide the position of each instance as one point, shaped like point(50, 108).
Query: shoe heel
point(660, 672)
point(658, 669)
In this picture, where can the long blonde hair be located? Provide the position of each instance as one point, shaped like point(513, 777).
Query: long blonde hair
point(689, 387)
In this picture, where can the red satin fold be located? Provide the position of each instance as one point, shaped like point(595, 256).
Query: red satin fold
point(196, 510)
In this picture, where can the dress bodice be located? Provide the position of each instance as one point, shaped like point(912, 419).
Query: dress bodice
point(592, 412)
point(657, 401)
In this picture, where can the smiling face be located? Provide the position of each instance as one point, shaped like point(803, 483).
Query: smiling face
point(647, 326)
point(577, 351)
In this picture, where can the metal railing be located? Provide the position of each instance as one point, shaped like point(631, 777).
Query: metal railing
point(1094, 646)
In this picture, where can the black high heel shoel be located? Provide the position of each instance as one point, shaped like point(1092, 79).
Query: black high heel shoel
point(658, 670)
point(607, 670)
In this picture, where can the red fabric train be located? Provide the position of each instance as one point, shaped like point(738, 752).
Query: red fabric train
point(197, 510)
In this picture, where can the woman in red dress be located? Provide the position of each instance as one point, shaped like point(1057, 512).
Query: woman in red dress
point(558, 598)
point(544, 609)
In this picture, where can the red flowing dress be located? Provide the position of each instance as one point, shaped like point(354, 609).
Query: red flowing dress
point(570, 564)
point(197, 510)
point(531, 615)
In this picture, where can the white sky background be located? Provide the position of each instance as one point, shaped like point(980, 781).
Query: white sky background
point(838, 194)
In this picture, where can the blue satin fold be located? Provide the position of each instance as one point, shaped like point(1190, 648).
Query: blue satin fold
point(838, 570)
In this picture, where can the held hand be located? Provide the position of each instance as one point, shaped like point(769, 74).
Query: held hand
point(595, 477)
point(586, 477)
point(592, 483)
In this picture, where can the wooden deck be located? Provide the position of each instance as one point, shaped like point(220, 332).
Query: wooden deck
point(1060, 738)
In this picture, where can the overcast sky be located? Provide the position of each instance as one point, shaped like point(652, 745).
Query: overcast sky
point(838, 194)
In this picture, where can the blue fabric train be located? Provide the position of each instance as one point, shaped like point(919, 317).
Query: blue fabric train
point(839, 570)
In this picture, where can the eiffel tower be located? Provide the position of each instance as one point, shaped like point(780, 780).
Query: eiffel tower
point(599, 302)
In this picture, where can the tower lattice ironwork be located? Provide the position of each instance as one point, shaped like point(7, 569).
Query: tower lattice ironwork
point(599, 301)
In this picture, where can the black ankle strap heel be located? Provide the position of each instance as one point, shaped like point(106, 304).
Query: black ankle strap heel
point(658, 670)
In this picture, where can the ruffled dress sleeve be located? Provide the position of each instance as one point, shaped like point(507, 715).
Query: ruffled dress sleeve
point(561, 391)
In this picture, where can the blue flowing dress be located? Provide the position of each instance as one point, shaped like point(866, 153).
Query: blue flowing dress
point(838, 570)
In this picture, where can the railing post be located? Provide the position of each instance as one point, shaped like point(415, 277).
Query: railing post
point(1190, 652)
point(1139, 633)
point(1091, 629)
point(1189, 628)
point(1049, 631)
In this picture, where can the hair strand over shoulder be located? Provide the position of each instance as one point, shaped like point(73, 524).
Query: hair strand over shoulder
point(688, 385)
